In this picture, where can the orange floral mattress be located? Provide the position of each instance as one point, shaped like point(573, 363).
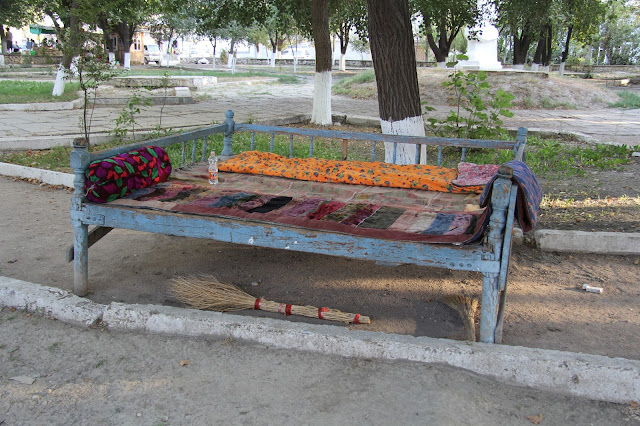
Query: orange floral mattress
point(414, 176)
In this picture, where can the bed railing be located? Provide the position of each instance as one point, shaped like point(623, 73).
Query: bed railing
point(195, 143)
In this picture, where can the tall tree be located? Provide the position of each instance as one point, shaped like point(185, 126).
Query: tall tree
point(442, 21)
point(230, 19)
point(345, 16)
point(129, 15)
point(67, 17)
point(172, 18)
point(394, 63)
point(321, 113)
point(523, 20)
point(278, 25)
point(582, 19)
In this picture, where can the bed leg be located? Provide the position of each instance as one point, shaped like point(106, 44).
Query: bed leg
point(79, 162)
point(489, 313)
point(81, 258)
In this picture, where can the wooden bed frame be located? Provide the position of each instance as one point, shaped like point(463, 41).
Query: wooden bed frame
point(490, 256)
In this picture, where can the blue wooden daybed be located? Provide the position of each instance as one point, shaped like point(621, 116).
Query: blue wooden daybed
point(489, 256)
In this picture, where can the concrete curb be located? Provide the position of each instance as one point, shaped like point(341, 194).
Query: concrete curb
point(46, 176)
point(588, 242)
point(588, 376)
point(43, 106)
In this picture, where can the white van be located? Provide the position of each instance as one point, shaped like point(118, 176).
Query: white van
point(152, 53)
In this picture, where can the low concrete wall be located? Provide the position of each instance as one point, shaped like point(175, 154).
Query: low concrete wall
point(157, 81)
point(19, 59)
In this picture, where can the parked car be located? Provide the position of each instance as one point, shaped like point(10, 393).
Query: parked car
point(152, 53)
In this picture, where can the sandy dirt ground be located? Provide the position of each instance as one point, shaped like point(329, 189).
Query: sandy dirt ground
point(71, 375)
point(546, 307)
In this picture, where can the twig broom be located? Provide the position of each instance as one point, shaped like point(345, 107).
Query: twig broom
point(206, 292)
point(465, 307)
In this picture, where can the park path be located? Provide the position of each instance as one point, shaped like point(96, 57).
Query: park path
point(273, 101)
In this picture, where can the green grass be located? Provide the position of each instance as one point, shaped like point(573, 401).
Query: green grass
point(546, 157)
point(22, 92)
point(627, 100)
point(547, 103)
point(553, 157)
point(350, 86)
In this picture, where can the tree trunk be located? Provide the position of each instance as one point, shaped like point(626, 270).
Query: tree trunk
point(274, 47)
point(321, 113)
point(3, 38)
point(537, 56)
point(344, 43)
point(125, 31)
point(214, 43)
point(439, 50)
point(394, 63)
point(565, 53)
point(232, 46)
point(521, 45)
point(72, 46)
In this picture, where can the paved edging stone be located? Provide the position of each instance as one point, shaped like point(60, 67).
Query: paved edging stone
point(47, 176)
point(51, 302)
point(589, 376)
point(44, 106)
point(588, 242)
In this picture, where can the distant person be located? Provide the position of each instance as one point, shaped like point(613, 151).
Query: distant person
point(9, 40)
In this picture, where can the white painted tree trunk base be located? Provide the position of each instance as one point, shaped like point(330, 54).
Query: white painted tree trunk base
point(112, 58)
point(442, 65)
point(534, 66)
point(58, 86)
point(321, 113)
point(518, 66)
point(545, 68)
point(127, 60)
point(561, 69)
point(406, 153)
point(1, 60)
point(73, 68)
point(343, 62)
point(273, 60)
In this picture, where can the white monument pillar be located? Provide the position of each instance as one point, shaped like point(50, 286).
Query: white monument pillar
point(482, 49)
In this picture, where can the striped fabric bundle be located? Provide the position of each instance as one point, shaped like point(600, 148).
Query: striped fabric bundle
point(119, 176)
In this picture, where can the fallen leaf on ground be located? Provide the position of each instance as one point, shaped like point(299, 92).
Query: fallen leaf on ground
point(535, 419)
point(633, 404)
point(184, 362)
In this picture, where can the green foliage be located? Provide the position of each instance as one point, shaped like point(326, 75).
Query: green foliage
point(91, 73)
point(134, 106)
point(482, 110)
point(224, 56)
point(627, 100)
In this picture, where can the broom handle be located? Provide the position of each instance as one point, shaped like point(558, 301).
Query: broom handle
point(310, 311)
